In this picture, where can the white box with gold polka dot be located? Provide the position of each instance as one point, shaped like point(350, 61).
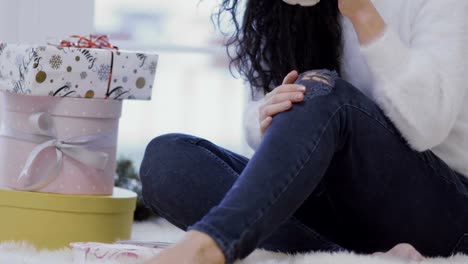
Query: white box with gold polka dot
point(76, 72)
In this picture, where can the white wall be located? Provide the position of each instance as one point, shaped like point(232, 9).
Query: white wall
point(38, 21)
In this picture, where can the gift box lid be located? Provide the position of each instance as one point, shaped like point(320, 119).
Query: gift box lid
point(121, 201)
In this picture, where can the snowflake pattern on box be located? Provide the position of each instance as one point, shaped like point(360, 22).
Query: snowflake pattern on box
point(55, 62)
point(104, 72)
point(83, 75)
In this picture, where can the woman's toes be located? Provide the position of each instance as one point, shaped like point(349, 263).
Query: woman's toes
point(405, 251)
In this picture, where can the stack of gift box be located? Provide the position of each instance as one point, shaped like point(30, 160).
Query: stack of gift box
point(60, 106)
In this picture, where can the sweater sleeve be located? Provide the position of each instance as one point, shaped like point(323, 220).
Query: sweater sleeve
point(420, 86)
point(251, 123)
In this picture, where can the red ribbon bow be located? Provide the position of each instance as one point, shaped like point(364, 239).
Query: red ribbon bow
point(94, 41)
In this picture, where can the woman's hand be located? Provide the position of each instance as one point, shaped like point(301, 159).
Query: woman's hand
point(366, 19)
point(353, 9)
point(280, 100)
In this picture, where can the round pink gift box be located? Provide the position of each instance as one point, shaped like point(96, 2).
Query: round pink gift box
point(86, 123)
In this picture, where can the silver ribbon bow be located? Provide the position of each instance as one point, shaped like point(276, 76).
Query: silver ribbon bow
point(82, 149)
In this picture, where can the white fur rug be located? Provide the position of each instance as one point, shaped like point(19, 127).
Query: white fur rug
point(160, 230)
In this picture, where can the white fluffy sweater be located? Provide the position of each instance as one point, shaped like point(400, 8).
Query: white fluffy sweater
point(416, 72)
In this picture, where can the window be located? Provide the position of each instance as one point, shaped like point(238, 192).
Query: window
point(194, 91)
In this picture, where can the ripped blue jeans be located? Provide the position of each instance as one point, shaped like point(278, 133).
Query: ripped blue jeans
point(331, 174)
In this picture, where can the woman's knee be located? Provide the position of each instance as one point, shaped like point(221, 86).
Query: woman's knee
point(166, 140)
point(157, 162)
point(157, 147)
point(327, 85)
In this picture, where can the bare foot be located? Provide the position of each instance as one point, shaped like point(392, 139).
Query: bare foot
point(405, 251)
point(195, 248)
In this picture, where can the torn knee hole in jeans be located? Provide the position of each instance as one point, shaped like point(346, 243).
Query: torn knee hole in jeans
point(318, 82)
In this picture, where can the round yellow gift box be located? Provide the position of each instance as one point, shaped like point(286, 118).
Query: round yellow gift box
point(52, 221)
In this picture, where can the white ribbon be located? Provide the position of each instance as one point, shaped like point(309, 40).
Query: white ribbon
point(82, 149)
point(302, 2)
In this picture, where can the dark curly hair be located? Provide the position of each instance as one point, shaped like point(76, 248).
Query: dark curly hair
point(275, 38)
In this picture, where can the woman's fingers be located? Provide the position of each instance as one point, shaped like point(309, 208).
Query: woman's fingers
point(291, 77)
point(295, 97)
point(270, 110)
point(286, 88)
point(265, 124)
